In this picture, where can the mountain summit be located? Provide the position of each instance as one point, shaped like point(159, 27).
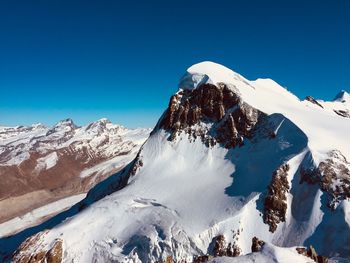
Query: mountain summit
point(206, 73)
point(342, 96)
point(233, 168)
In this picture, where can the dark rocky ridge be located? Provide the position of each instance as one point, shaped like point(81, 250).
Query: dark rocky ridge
point(275, 205)
point(343, 113)
point(312, 100)
point(221, 248)
point(257, 244)
point(229, 120)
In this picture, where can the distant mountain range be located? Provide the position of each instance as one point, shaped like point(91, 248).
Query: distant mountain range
point(57, 165)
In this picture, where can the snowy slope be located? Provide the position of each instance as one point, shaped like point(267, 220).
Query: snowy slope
point(340, 106)
point(229, 157)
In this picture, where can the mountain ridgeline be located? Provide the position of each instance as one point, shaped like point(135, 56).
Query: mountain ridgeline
point(234, 171)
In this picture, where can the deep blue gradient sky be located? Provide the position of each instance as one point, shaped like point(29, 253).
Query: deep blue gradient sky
point(123, 59)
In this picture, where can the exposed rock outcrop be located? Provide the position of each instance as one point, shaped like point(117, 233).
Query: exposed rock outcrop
point(221, 248)
point(312, 100)
point(169, 259)
point(275, 205)
point(216, 114)
point(202, 259)
point(257, 244)
point(332, 175)
point(343, 113)
point(51, 254)
point(137, 164)
point(311, 253)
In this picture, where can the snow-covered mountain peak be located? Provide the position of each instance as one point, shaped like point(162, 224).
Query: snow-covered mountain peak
point(38, 126)
point(99, 123)
point(257, 93)
point(216, 72)
point(342, 96)
point(104, 120)
point(211, 84)
point(229, 160)
point(61, 128)
point(207, 72)
point(66, 122)
point(104, 126)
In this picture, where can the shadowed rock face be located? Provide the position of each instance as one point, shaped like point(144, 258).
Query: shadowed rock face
point(275, 205)
point(332, 175)
point(216, 114)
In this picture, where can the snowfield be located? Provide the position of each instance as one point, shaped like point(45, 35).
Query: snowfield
point(47, 162)
point(182, 193)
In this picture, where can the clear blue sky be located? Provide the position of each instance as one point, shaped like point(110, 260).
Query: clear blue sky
point(123, 59)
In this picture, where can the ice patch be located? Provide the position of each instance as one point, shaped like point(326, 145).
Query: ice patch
point(47, 162)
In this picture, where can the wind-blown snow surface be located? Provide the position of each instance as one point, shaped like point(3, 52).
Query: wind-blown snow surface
point(186, 193)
